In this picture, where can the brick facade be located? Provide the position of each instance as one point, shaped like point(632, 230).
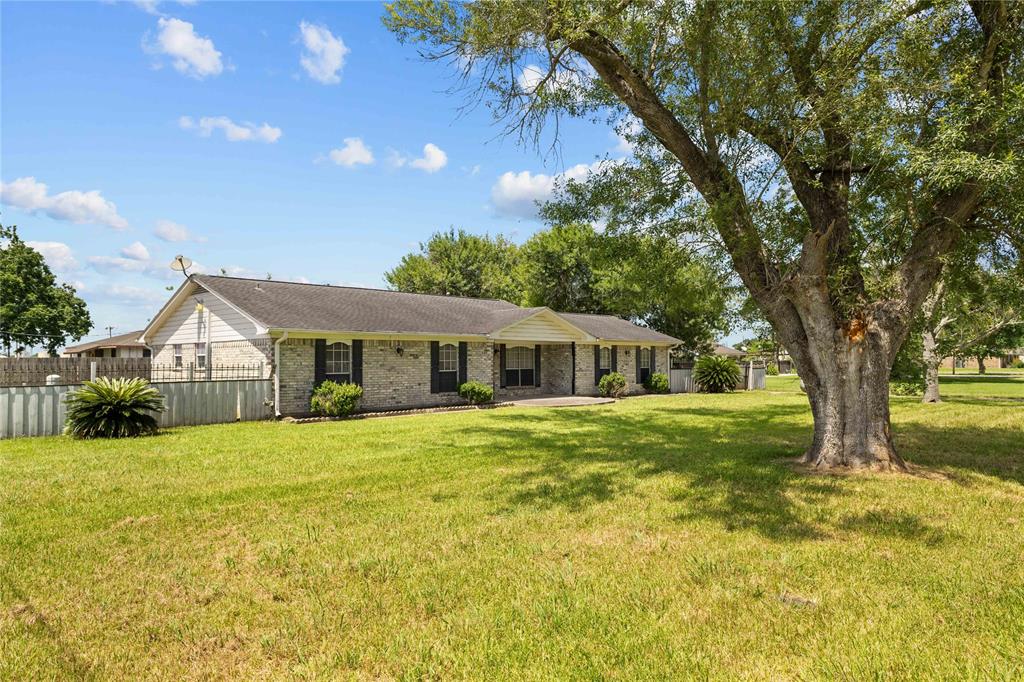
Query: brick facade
point(398, 381)
point(391, 380)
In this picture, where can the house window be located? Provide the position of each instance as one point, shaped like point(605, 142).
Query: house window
point(519, 366)
point(448, 368)
point(645, 364)
point(113, 352)
point(201, 355)
point(339, 363)
point(177, 356)
point(147, 353)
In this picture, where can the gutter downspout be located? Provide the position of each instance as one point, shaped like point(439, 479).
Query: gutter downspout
point(277, 374)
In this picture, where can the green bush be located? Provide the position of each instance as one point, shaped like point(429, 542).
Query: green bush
point(113, 408)
point(716, 374)
point(612, 385)
point(906, 388)
point(476, 392)
point(332, 399)
point(1017, 364)
point(771, 369)
point(657, 383)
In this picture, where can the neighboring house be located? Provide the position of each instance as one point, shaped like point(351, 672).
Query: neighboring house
point(120, 346)
point(405, 350)
point(729, 352)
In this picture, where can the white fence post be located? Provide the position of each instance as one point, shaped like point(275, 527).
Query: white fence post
point(92, 371)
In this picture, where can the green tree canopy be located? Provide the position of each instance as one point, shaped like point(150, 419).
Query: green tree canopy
point(34, 309)
point(456, 263)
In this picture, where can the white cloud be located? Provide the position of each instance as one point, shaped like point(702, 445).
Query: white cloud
point(352, 153)
point(131, 295)
point(148, 267)
point(57, 255)
point(74, 206)
point(191, 54)
point(517, 194)
point(433, 159)
point(136, 251)
point(170, 231)
point(233, 132)
point(323, 56)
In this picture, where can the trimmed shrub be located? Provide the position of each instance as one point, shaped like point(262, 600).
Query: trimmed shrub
point(113, 408)
point(906, 388)
point(716, 374)
point(612, 385)
point(332, 399)
point(657, 383)
point(771, 369)
point(1017, 364)
point(476, 392)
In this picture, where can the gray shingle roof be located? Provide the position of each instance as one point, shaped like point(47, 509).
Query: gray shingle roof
point(615, 328)
point(131, 339)
point(319, 307)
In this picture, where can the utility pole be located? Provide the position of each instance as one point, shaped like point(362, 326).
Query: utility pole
point(110, 331)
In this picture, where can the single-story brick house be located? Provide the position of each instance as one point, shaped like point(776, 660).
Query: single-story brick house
point(405, 350)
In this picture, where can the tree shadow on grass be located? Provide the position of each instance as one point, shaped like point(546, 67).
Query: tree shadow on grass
point(729, 462)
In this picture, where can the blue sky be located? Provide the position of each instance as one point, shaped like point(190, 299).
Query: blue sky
point(298, 139)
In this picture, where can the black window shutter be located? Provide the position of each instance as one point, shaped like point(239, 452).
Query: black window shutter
point(463, 362)
point(501, 365)
point(319, 361)
point(357, 362)
point(597, 364)
point(435, 380)
point(536, 365)
point(638, 364)
point(573, 368)
point(615, 359)
point(654, 361)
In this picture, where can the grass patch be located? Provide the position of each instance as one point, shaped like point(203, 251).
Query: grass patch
point(961, 385)
point(649, 538)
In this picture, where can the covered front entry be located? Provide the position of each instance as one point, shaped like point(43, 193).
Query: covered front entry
point(525, 370)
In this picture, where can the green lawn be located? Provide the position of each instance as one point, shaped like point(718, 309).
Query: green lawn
point(967, 385)
point(654, 538)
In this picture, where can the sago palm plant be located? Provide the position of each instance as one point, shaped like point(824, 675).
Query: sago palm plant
point(716, 374)
point(113, 408)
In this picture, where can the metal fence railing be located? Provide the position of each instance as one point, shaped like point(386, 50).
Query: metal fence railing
point(193, 372)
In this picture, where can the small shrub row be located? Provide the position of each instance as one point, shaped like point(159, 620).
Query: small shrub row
point(476, 393)
point(331, 399)
point(656, 383)
point(612, 385)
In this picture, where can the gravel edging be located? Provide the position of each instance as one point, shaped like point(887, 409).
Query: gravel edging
point(394, 413)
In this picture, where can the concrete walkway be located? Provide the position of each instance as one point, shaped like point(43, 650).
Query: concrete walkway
point(561, 401)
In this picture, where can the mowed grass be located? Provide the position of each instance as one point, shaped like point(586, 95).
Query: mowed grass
point(960, 385)
point(666, 537)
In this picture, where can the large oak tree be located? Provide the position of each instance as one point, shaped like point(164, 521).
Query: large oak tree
point(878, 126)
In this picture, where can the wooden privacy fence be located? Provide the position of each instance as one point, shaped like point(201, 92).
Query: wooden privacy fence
point(34, 371)
point(680, 381)
point(40, 410)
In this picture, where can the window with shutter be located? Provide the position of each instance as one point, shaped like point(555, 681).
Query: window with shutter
point(338, 363)
point(448, 368)
point(519, 364)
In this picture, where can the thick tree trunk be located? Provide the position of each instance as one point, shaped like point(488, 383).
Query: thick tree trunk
point(931, 369)
point(981, 364)
point(846, 372)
